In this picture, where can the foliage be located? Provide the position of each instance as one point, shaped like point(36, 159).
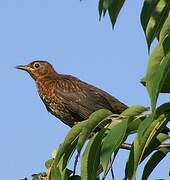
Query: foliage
point(97, 151)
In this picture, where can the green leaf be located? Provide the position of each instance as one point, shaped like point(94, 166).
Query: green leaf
point(149, 137)
point(60, 165)
point(114, 10)
point(67, 155)
point(161, 51)
point(71, 137)
point(166, 85)
point(135, 117)
point(146, 12)
point(144, 125)
point(65, 174)
point(164, 108)
point(154, 161)
point(134, 125)
point(107, 4)
point(166, 43)
point(155, 128)
point(94, 120)
point(157, 72)
point(160, 138)
point(152, 76)
point(141, 145)
point(132, 161)
point(134, 111)
point(153, 16)
point(165, 29)
point(100, 8)
point(113, 140)
point(54, 173)
point(48, 163)
point(91, 157)
point(113, 7)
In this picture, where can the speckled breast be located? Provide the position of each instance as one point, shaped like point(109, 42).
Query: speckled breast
point(54, 103)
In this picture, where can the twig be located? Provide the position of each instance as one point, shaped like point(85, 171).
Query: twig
point(128, 146)
point(112, 173)
point(75, 164)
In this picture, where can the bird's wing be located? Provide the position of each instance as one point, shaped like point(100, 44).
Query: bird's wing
point(83, 99)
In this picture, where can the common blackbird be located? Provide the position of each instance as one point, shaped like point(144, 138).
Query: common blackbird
point(67, 97)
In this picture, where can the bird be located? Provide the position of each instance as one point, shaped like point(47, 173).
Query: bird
point(66, 97)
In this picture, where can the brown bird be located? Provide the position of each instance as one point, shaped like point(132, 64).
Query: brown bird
point(67, 97)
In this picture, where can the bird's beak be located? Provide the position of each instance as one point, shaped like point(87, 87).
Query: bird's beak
point(22, 67)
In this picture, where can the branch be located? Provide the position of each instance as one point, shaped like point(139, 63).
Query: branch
point(128, 146)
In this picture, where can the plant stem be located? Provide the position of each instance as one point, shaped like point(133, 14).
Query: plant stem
point(112, 173)
point(75, 164)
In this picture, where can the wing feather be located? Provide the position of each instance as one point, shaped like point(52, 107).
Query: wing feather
point(82, 99)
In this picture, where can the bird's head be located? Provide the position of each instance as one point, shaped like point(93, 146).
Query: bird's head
point(37, 69)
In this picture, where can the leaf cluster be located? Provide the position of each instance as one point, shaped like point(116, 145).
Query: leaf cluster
point(98, 150)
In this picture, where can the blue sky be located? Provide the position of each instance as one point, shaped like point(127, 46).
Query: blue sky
point(69, 35)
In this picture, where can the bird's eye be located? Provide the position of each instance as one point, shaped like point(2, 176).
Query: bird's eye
point(36, 65)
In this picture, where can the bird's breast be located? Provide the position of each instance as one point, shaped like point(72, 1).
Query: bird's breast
point(53, 102)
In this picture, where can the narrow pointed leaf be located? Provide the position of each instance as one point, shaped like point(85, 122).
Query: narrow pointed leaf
point(67, 155)
point(165, 29)
point(130, 169)
point(141, 145)
point(164, 40)
point(152, 132)
point(70, 138)
point(114, 10)
point(54, 173)
point(134, 110)
point(144, 126)
point(134, 125)
point(113, 7)
point(113, 140)
point(91, 157)
point(94, 120)
point(65, 174)
point(146, 12)
point(100, 8)
point(157, 72)
point(166, 44)
point(164, 108)
point(48, 163)
point(160, 138)
point(153, 15)
point(166, 85)
point(154, 161)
